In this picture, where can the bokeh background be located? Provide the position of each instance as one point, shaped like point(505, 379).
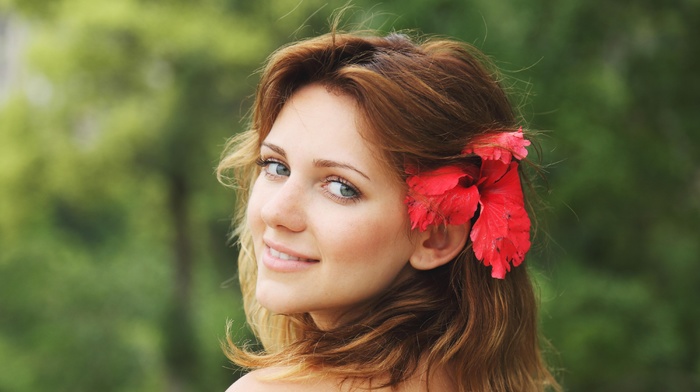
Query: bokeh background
point(115, 271)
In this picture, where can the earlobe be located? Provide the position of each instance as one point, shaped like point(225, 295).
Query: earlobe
point(438, 245)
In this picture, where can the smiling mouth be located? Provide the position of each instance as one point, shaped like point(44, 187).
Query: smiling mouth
point(283, 256)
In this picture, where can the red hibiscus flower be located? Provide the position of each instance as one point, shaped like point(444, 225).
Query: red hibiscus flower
point(439, 197)
point(501, 234)
point(450, 195)
point(501, 146)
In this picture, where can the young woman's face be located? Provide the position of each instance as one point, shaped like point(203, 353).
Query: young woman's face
point(329, 225)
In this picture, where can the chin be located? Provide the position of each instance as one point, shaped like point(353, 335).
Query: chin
point(275, 304)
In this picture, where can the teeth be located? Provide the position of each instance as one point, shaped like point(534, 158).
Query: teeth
point(284, 256)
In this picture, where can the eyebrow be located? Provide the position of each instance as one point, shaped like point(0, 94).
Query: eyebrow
point(276, 149)
point(329, 163)
point(319, 162)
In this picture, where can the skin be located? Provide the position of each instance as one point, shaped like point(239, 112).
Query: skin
point(257, 381)
point(325, 199)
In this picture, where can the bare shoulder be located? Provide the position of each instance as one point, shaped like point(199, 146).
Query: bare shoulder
point(256, 381)
point(249, 382)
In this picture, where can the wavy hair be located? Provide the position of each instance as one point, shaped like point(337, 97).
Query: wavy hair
point(420, 103)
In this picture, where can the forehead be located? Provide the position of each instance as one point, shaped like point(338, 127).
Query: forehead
point(314, 111)
point(325, 122)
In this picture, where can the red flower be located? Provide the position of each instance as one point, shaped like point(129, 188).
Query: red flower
point(438, 197)
point(501, 234)
point(499, 146)
point(451, 195)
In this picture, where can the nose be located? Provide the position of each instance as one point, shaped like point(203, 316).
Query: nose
point(285, 207)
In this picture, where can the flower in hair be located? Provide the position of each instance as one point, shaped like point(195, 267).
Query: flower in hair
point(453, 194)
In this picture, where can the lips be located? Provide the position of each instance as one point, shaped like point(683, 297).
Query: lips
point(284, 256)
point(279, 258)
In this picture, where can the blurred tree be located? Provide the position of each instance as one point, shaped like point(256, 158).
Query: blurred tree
point(621, 86)
point(105, 163)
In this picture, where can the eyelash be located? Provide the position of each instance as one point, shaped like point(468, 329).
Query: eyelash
point(264, 162)
point(342, 181)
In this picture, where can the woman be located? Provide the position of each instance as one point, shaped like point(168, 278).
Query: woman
point(381, 222)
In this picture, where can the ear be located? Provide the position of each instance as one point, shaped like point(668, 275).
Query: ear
point(438, 245)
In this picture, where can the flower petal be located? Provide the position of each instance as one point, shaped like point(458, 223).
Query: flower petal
point(501, 234)
point(436, 182)
point(501, 146)
point(441, 196)
point(460, 205)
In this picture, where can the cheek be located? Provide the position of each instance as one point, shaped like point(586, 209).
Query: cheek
point(367, 261)
point(383, 238)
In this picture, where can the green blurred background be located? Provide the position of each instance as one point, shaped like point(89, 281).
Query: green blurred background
point(115, 272)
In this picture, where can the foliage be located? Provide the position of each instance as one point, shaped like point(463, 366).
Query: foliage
point(115, 273)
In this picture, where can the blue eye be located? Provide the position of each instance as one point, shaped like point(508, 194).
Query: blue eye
point(278, 169)
point(274, 168)
point(342, 190)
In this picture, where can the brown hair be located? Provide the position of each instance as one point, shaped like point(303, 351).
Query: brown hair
point(420, 104)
